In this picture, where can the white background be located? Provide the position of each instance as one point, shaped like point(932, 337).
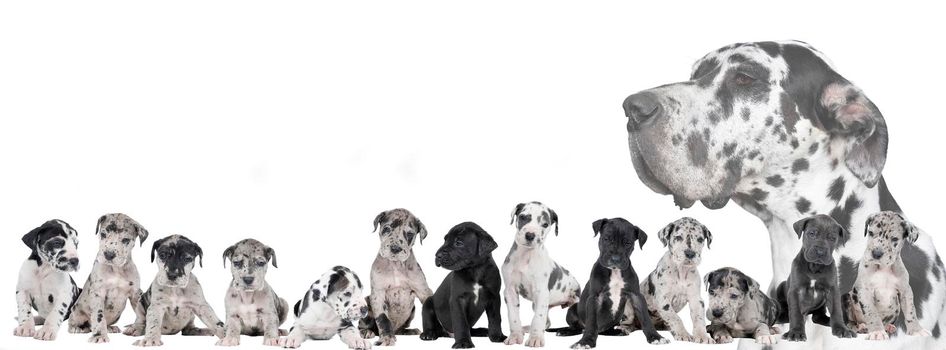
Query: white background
point(296, 123)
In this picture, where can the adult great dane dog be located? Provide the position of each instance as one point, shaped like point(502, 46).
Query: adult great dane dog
point(774, 127)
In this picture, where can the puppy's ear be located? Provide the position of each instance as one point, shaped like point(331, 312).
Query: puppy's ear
point(843, 236)
point(200, 255)
point(554, 220)
point(421, 229)
point(800, 225)
point(848, 113)
point(708, 278)
point(598, 225)
point(641, 236)
point(270, 255)
point(227, 253)
point(156, 244)
point(664, 234)
point(484, 244)
point(378, 219)
point(910, 232)
point(515, 212)
point(140, 231)
point(336, 282)
point(868, 222)
point(98, 224)
point(31, 238)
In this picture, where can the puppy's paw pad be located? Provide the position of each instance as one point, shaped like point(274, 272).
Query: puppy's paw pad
point(514, 338)
point(919, 333)
point(765, 339)
point(878, 335)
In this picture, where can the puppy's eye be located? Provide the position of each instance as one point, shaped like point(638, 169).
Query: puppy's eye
point(545, 225)
point(458, 244)
point(163, 255)
point(523, 217)
point(102, 234)
point(238, 264)
point(812, 233)
point(260, 263)
point(678, 238)
point(188, 259)
point(894, 239)
point(699, 240)
point(409, 235)
point(386, 229)
point(628, 244)
point(126, 241)
point(742, 79)
point(733, 296)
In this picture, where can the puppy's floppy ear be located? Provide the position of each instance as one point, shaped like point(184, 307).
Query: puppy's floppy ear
point(140, 231)
point(708, 277)
point(156, 244)
point(708, 236)
point(910, 232)
point(484, 243)
point(515, 212)
point(99, 223)
point(664, 234)
point(554, 219)
point(421, 229)
point(30, 238)
point(868, 222)
point(227, 253)
point(270, 254)
point(846, 112)
point(800, 225)
point(336, 282)
point(598, 225)
point(378, 219)
point(843, 236)
point(641, 236)
point(200, 254)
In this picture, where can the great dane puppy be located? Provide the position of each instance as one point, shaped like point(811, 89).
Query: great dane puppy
point(530, 272)
point(675, 282)
point(396, 278)
point(252, 306)
point(812, 287)
point(331, 306)
point(113, 280)
point(44, 283)
point(738, 308)
point(471, 287)
point(611, 302)
point(881, 288)
point(775, 127)
point(175, 295)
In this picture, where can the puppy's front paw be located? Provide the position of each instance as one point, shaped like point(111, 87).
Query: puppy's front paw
point(291, 342)
point(682, 337)
point(890, 328)
point(723, 338)
point(386, 340)
point(228, 341)
point(584, 344)
point(535, 341)
point(359, 344)
point(843, 332)
point(657, 340)
point(134, 330)
point(463, 344)
point(429, 336)
point(46, 333)
point(367, 334)
point(514, 338)
point(878, 335)
point(765, 339)
point(156, 341)
point(77, 330)
point(497, 337)
point(98, 338)
point(27, 329)
point(795, 335)
point(114, 329)
point(702, 339)
point(271, 341)
point(919, 332)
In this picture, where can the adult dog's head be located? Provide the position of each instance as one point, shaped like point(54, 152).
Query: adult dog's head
point(617, 242)
point(176, 256)
point(56, 243)
point(117, 233)
point(887, 232)
point(249, 260)
point(752, 113)
point(820, 235)
point(685, 239)
point(465, 245)
point(399, 230)
point(533, 222)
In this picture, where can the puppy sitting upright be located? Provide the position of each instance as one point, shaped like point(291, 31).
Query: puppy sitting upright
point(175, 296)
point(611, 302)
point(738, 309)
point(812, 285)
point(44, 283)
point(252, 307)
point(114, 279)
point(882, 288)
point(396, 277)
point(331, 306)
point(529, 271)
point(676, 281)
point(470, 288)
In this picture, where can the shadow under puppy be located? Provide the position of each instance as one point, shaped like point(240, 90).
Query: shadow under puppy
point(331, 306)
point(175, 295)
point(113, 280)
point(812, 285)
point(252, 306)
point(882, 290)
point(471, 288)
point(611, 300)
point(738, 308)
point(396, 278)
point(44, 283)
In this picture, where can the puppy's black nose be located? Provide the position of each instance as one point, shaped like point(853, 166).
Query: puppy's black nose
point(877, 253)
point(717, 313)
point(642, 106)
point(109, 255)
point(615, 259)
point(689, 254)
point(396, 249)
point(74, 262)
point(364, 310)
point(174, 274)
point(530, 236)
point(248, 280)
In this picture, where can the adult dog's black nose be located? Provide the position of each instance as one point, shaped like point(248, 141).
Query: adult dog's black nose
point(530, 236)
point(109, 255)
point(641, 106)
point(717, 313)
point(248, 280)
point(396, 249)
point(689, 254)
point(877, 253)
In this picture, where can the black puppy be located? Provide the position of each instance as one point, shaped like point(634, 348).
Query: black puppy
point(471, 288)
point(612, 296)
point(812, 286)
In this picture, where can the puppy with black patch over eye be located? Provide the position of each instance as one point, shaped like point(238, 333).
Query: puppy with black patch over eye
point(471, 287)
point(882, 290)
point(175, 295)
point(252, 306)
point(812, 286)
point(676, 281)
point(332, 305)
point(44, 282)
point(113, 280)
point(396, 277)
point(611, 302)
point(530, 272)
point(739, 309)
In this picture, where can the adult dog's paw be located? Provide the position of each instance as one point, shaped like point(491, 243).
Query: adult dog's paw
point(878, 335)
point(766, 339)
point(843, 332)
point(795, 335)
point(514, 338)
point(148, 342)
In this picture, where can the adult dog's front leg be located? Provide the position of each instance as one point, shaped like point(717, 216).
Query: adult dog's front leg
point(640, 307)
point(152, 327)
point(512, 307)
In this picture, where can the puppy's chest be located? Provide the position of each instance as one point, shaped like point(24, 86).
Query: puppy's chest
point(528, 273)
point(319, 320)
point(882, 290)
point(614, 290)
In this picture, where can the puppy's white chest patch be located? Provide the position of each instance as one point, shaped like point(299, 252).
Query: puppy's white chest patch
point(615, 285)
point(884, 286)
point(476, 292)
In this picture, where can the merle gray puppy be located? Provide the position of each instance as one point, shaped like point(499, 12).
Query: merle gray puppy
point(738, 308)
point(812, 286)
point(396, 277)
point(176, 296)
point(252, 306)
point(44, 283)
point(611, 301)
point(113, 280)
point(471, 288)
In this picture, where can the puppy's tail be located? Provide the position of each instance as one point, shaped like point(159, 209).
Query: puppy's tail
point(781, 299)
point(479, 332)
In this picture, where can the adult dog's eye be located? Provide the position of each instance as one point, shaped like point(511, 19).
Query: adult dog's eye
point(126, 241)
point(238, 264)
point(742, 79)
point(733, 296)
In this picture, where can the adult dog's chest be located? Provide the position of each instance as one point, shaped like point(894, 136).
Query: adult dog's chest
point(881, 288)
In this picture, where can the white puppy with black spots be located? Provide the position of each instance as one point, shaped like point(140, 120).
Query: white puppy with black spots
point(530, 272)
point(332, 305)
point(676, 281)
point(44, 283)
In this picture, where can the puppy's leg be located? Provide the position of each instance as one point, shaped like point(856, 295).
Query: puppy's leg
point(512, 307)
point(138, 328)
point(349, 335)
point(763, 336)
point(233, 326)
point(431, 325)
point(796, 321)
point(152, 327)
point(61, 303)
point(838, 328)
point(295, 338)
point(640, 307)
point(271, 327)
point(539, 319)
point(909, 311)
point(875, 326)
point(461, 324)
point(385, 328)
point(670, 318)
point(209, 318)
point(697, 316)
point(720, 334)
point(494, 319)
point(589, 338)
point(24, 312)
point(403, 329)
point(99, 327)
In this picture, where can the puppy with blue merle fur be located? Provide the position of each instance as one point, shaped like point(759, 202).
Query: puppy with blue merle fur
point(739, 309)
point(471, 288)
point(611, 302)
point(252, 306)
point(332, 305)
point(44, 283)
point(113, 280)
point(175, 296)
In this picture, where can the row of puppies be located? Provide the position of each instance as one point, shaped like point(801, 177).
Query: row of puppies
point(533, 221)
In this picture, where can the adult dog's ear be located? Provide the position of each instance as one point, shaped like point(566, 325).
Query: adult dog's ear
point(378, 219)
point(485, 244)
point(910, 232)
point(664, 234)
point(800, 225)
point(156, 244)
point(848, 113)
point(554, 219)
point(421, 229)
point(270, 254)
point(227, 253)
point(598, 225)
point(515, 212)
point(641, 236)
point(30, 238)
point(708, 236)
point(140, 231)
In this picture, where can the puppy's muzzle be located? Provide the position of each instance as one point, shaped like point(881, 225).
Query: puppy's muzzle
point(530, 236)
point(690, 254)
point(877, 254)
point(68, 264)
point(248, 280)
point(174, 274)
point(717, 313)
point(396, 249)
point(109, 255)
